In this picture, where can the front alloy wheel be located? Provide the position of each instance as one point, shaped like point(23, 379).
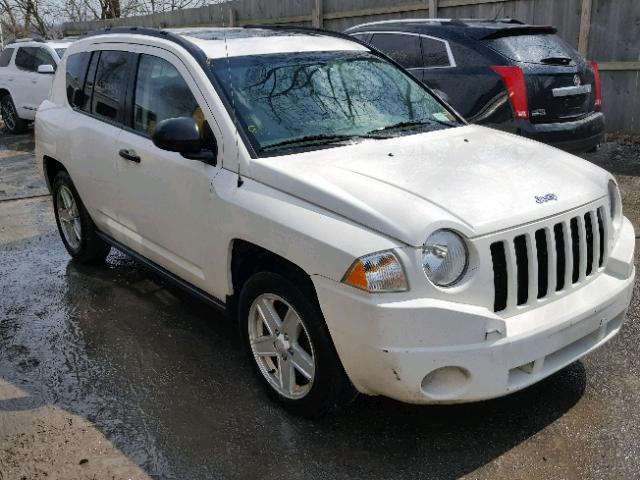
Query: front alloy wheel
point(281, 346)
point(289, 345)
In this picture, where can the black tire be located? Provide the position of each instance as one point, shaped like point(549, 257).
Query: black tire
point(12, 122)
point(330, 389)
point(91, 249)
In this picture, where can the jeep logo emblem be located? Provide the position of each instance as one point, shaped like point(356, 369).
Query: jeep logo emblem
point(546, 198)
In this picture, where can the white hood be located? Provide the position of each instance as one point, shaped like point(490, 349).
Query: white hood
point(472, 178)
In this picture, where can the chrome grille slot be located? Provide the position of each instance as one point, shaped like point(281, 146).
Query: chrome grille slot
point(534, 265)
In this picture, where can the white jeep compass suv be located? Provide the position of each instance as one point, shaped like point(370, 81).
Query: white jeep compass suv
point(364, 237)
point(26, 73)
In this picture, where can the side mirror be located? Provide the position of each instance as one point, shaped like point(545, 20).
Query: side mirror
point(178, 135)
point(46, 69)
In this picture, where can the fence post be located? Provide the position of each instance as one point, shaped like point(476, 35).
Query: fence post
point(585, 27)
point(232, 17)
point(433, 8)
point(317, 17)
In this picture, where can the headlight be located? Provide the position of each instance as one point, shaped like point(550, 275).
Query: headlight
point(615, 205)
point(444, 258)
point(377, 273)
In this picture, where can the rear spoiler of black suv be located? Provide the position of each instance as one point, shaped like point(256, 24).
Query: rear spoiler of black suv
point(519, 30)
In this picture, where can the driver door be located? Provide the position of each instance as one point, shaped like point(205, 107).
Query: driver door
point(167, 205)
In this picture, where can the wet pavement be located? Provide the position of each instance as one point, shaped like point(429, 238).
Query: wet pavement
point(108, 373)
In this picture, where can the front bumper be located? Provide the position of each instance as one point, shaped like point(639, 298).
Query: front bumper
point(418, 350)
point(577, 136)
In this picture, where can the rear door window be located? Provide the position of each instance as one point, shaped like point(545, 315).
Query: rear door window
point(5, 57)
point(30, 58)
point(540, 48)
point(404, 49)
point(110, 85)
point(435, 53)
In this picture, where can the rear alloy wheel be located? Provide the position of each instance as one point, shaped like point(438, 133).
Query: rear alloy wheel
point(10, 116)
point(290, 346)
point(77, 230)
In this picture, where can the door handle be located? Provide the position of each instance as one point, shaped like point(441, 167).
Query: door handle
point(130, 155)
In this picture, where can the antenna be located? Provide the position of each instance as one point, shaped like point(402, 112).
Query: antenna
point(233, 97)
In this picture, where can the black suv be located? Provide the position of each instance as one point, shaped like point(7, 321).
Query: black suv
point(501, 73)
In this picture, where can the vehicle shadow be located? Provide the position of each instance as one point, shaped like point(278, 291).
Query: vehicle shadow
point(163, 378)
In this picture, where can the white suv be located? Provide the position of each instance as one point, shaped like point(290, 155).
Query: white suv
point(358, 230)
point(26, 73)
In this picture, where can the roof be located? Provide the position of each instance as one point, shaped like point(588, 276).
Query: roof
point(212, 43)
point(470, 27)
point(232, 42)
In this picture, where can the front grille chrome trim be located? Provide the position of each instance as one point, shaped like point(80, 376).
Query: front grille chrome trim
point(573, 247)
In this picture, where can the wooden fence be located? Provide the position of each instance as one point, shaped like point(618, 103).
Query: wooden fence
point(604, 30)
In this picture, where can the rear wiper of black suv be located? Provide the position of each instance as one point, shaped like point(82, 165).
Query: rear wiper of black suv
point(315, 139)
point(556, 61)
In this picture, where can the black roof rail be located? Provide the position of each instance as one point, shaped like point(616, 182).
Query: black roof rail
point(465, 22)
point(190, 47)
point(308, 30)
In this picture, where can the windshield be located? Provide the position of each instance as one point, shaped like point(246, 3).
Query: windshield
point(60, 51)
point(301, 100)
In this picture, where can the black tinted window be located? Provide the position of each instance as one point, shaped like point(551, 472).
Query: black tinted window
point(5, 57)
point(110, 84)
point(534, 48)
point(162, 93)
point(30, 58)
point(434, 53)
point(404, 49)
point(76, 73)
point(468, 57)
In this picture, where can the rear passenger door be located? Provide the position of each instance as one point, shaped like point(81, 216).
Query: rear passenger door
point(96, 84)
point(167, 204)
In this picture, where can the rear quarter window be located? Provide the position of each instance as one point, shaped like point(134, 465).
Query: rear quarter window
point(404, 49)
point(434, 53)
point(77, 65)
point(534, 48)
point(5, 57)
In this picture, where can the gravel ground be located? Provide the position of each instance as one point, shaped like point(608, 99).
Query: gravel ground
point(108, 373)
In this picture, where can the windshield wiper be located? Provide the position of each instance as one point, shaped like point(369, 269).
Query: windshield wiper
point(410, 124)
point(556, 61)
point(400, 125)
point(323, 138)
